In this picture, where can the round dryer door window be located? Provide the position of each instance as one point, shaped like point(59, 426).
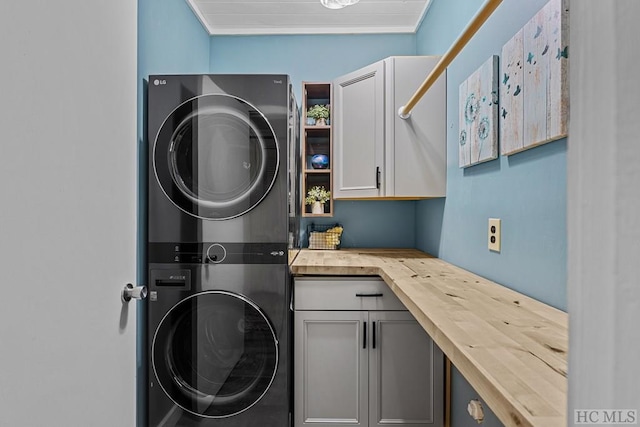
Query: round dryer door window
point(215, 354)
point(216, 157)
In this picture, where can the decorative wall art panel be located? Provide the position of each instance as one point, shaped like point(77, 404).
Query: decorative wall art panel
point(478, 138)
point(534, 87)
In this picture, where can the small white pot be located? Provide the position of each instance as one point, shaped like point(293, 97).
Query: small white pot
point(317, 208)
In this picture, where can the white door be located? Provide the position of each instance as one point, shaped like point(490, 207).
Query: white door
point(67, 213)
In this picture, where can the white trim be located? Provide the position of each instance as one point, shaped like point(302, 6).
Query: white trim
point(240, 31)
point(339, 29)
point(201, 18)
point(425, 10)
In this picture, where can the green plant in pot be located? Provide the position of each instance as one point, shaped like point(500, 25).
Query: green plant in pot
point(320, 113)
point(317, 196)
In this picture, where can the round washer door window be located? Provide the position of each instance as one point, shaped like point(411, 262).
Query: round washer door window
point(215, 354)
point(216, 157)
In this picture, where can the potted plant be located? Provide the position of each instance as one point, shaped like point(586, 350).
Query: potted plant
point(320, 113)
point(317, 196)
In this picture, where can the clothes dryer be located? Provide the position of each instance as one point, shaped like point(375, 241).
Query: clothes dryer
point(222, 159)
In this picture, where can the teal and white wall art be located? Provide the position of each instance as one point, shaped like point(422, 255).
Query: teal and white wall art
point(534, 89)
point(478, 108)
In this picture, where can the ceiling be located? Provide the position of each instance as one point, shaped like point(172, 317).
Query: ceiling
point(244, 17)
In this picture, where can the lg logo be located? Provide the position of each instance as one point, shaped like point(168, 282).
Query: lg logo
point(157, 82)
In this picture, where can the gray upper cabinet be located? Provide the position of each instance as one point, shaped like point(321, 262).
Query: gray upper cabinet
point(359, 119)
point(361, 359)
point(378, 154)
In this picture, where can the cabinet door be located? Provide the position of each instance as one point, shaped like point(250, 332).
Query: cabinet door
point(331, 368)
point(359, 133)
point(415, 153)
point(405, 374)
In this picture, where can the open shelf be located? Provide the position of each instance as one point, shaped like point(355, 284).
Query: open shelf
point(316, 140)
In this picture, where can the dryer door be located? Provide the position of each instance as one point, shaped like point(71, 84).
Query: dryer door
point(216, 156)
point(215, 354)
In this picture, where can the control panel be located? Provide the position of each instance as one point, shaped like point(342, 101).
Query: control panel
point(218, 253)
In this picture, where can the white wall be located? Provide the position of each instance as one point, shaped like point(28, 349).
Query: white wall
point(604, 206)
point(67, 213)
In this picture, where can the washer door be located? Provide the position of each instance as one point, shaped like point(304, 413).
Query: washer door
point(216, 157)
point(215, 354)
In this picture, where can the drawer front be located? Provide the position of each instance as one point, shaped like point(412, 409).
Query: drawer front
point(344, 293)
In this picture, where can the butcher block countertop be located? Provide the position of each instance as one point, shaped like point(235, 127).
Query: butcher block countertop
point(511, 348)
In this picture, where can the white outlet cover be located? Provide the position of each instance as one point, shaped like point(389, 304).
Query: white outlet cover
point(494, 234)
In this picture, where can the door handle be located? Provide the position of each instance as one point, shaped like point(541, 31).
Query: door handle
point(133, 292)
point(378, 177)
point(369, 295)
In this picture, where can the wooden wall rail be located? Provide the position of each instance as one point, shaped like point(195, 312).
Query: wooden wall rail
point(485, 12)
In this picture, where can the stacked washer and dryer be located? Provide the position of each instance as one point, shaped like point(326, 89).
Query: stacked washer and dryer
point(222, 217)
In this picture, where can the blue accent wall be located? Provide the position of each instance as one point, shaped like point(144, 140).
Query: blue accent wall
point(171, 39)
point(371, 223)
point(305, 57)
point(323, 58)
point(526, 190)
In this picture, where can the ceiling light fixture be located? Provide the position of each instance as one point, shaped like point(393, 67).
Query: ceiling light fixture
point(338, 4)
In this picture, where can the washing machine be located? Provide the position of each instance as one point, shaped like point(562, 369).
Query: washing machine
point(222, 217)
point(223, 159)
point(219, 343)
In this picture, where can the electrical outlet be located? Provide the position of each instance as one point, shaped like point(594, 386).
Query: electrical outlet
point(494, 234)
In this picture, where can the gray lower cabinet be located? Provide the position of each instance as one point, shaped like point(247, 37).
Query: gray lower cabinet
point(331, 369)
point(360, 358)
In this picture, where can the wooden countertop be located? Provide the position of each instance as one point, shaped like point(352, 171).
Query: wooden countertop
point(511, 348)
